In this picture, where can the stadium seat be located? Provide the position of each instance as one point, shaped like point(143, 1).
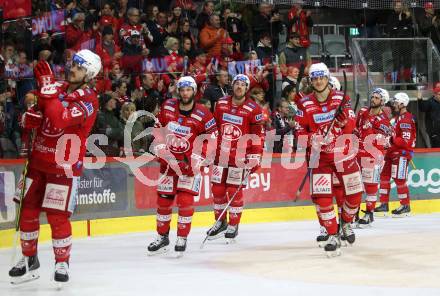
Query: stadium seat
point(334, 44)
point(315, 48)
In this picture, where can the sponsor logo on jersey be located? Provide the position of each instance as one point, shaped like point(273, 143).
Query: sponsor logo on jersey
point(258, 117)
point(200, 112)
point(179, 129)
point(324, 117)
point(307, 103)
point(210, 124)
point(337, 97)
point(384, 128)
point(405, 125)
point(322, 183)
point(177, 144)
point(231, 132)
point(300, 113)
point(232, 118)
point(89, 108)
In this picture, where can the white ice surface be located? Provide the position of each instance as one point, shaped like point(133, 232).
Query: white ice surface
point(395, 257)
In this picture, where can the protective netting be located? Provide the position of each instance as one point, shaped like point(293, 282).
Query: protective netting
point(352, 4)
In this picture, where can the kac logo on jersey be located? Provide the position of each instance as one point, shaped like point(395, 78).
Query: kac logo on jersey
point(232, 118)
point(231, 132)
point(259, 117)
point(177, 144)
point(210, 124)
point(324, 117)
point(179, 129)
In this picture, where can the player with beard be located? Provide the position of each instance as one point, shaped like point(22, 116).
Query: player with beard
point(179, 123)
point(373, 130)
point(238, 118)
point(316, 120)
point(64, 111)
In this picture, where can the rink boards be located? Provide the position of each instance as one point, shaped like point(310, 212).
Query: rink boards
point(112, 200)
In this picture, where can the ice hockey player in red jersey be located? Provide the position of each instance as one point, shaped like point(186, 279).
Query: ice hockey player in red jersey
point(64, 112)
point(238, 118)
point(180, 122)
point(373, 130)
point(316, 112)
point(398, 155)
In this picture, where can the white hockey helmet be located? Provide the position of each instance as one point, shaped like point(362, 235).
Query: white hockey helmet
point(243, 78)
point(401, 98)
point(319, 70)
point(383, 93)
point(187, 81)
point(89, 61)
point(334, 82)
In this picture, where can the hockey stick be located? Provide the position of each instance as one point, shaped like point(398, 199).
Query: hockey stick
point(300, 77)
point(315, 159)
point(226, 208)
point(358, 96)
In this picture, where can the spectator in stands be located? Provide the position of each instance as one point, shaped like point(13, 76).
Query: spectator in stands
point(267, 21)
point(257, 94)
point(429, 24)
point(211, 37)
point(291, 77)
point(400, 25)
point(219, 89)
point(8, 133)
point(83, 6)
point(294, 54)
point(108, 50)
point(151, 91)
point(42, 43)
point(264, 49)
point(120, 89)
point(206, 103)
point(171, 55)
point(235, 26)
point(432, 109)
point(188, 9)
point(185, 32)
point(136, 127)
point(133, 53)
point(157, 29)
point(122, 8)
point(187, 49)
point(133, 24)
point(203, 17)
point(77, 36)
point(290, 96)
point(108, 17)
point(284, 125)
point(108, 124)
point(300, 22)
point(152, 12)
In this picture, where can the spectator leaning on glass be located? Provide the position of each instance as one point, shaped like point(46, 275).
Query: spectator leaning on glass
point(432, 109)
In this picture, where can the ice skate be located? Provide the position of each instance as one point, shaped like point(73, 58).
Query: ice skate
point(347, 232)
point(231, 233)
point(217, 230)
point(382, 210)
point(333, 246)
point(180, 246)
point(159, 246)
point(322, 238)
point(366, 220)
point(401, 211)
point(61, 274)
point(26, 270)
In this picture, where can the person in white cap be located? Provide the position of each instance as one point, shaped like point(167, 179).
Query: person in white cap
point(65, 113)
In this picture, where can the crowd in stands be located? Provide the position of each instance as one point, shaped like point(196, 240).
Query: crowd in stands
point(146, 47)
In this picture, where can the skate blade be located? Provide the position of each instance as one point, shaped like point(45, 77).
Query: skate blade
point(59, 285)
point(322, 244)
point(158, 252)
point(178, 255)
point(231, 241)
point(214, 237)
point(332, 254)
point(363, 226)
point(29, 277)
point(381, 215)
point(344, 243)
point(401, 215)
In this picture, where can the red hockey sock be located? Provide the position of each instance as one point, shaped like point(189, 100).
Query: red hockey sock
point(384, 191)
point(185, 203)
point(402, 191)
point(164, 211)
point(327, 214)
point(370, 200)
point(351, 207)
point(220, 199)
point(236, 207)
point(61, 235)
point(29, 231)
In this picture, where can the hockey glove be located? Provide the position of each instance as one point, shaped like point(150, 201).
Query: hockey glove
point(341, 119)
point(31, 119)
